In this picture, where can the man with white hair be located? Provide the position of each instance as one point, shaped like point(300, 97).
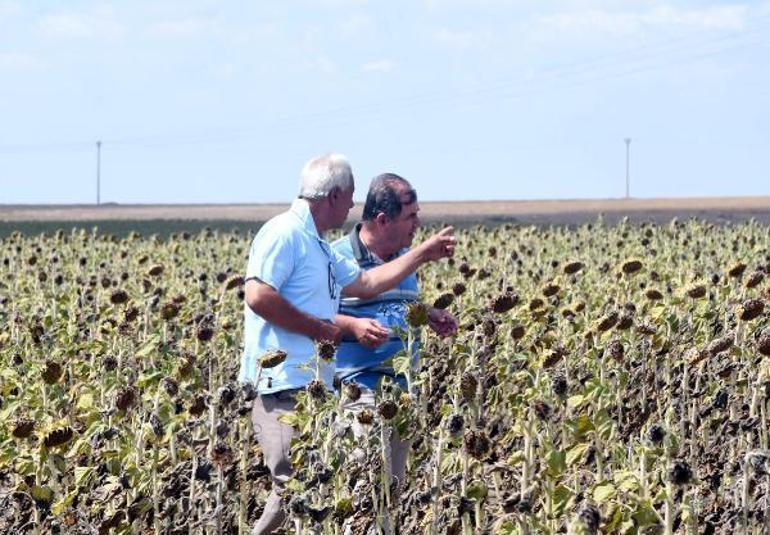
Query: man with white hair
point(293, 285)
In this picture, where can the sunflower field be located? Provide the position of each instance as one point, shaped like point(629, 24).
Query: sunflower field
point(604, 379)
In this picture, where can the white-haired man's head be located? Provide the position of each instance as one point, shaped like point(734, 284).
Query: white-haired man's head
point(323, 174)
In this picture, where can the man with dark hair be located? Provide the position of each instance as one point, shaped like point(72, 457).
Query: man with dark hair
point(370, 327)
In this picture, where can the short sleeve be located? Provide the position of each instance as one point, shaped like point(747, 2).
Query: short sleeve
point(346, 271)
point(271, 258)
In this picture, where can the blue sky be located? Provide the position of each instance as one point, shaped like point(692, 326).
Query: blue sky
point(202, 101)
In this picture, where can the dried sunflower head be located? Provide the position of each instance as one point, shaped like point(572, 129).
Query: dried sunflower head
point(653, 294)
point(655, 434)
point(23, 427)
point(365, 417)
point(751, 309)
point(352, 391)
point(455, 424)
point(590, 518)
point(505, 302)
point(607, 322)
point(518, 332)
point(571, 268)
point(736, 270)
point(317, 389)
point(236, 281)
point(476, 444)
point(631, 266)
point(387, 409)
point(326, 350)
point(616, 350)
point(58, 437)
point(169, 311)
point(680, 473)
point(204, 333)
point(763, 343)
point(272, 358)
point(417, 314)
point(469, 386)
point(222, 454)
point(459, 288)
point(444, 300)
point(52, 372)
point(551, 289)
point(118, 297)
point(198, 405)
point(755, 279)
point(126, 398)
point(542, 410)
point(696, 291)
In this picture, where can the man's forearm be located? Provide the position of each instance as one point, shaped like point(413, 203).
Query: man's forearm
point(276, 310)
point(377, 280)
point(345, 323)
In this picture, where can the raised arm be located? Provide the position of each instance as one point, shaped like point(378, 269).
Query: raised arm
point(377, 280)
point(265, 301)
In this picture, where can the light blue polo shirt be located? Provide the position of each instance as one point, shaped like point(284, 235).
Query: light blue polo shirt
point(288, 254)
point(365, 365)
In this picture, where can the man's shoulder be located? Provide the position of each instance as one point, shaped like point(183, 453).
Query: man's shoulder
point(343, 246)
point(281, 227)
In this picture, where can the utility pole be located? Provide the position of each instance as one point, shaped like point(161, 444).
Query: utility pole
point(628, 163)
point(98, 172)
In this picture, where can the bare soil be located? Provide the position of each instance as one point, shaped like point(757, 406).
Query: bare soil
point(718, 209)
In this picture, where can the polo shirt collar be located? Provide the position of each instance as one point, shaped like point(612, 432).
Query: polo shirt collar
point(360, 252)
point(301, 210)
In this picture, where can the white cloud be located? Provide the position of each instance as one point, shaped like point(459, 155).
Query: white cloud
point(356, 25)
point(465, 39)
point(326, 65)
point(8, 9)
point(182, 28)
point(342, 3)
point(19, 61)
point(80, 25)
point(596, 21)
point(383, 65)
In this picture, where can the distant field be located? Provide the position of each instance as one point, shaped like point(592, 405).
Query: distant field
point(163, 219)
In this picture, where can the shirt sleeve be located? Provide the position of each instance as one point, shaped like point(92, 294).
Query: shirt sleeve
point(346, 271)
point(271, 258)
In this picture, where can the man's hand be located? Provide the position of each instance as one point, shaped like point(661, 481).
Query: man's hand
point(442, 322)
point(440, 245)
point(369, 333)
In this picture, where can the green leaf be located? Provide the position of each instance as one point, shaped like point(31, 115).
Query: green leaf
point(149, 346)
point(83, 475)
point(86, 401)
point(583, 425)
point(576, 452)
point(604, 492)
point(401, 363)
point(61, 505)
point(575, 401)
point(645, 516)
point(557, 462)
point(561, 498)
point(148, 379)
point(476, 490)
point(41, 494)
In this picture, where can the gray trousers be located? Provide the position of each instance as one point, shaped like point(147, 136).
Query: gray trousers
point(274, 437)
point(399, 449)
